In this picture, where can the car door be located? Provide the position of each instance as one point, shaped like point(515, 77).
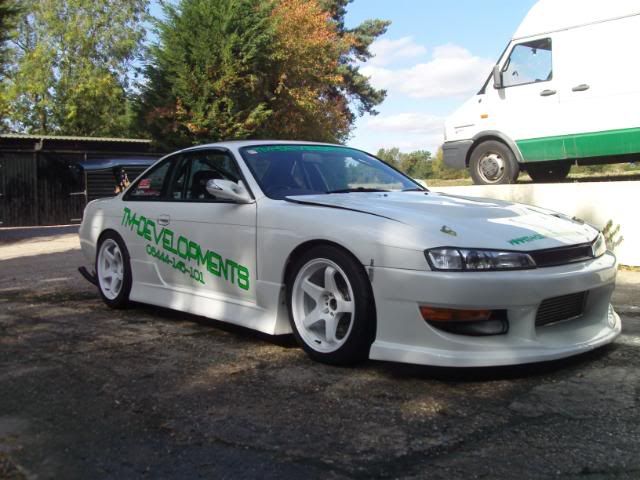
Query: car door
point(209, 244)
point(142, 225)
point(526, 107)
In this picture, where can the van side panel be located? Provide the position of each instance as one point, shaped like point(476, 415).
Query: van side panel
point(599, 94)
point(583, 145)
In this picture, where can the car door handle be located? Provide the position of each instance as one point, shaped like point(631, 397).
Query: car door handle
point(547, 93)
point(580, 88)
point(164, 220)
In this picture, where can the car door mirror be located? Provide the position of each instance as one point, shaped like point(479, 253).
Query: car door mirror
point(497, 77)
point(228, 190)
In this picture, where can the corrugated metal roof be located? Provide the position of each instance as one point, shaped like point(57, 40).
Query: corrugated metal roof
point(19, 136)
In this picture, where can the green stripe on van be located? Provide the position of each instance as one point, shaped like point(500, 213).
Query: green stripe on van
point(581, 145)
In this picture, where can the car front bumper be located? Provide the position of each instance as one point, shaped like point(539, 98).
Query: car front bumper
point(404, 336)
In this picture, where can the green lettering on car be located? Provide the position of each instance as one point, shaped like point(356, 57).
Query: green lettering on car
point(186, 249)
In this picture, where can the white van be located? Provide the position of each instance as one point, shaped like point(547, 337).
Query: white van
point(565, 91)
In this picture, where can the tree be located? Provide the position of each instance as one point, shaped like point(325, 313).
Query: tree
point(443, 172)
point(393, 156)
point(417, 164)
point(256, 69)
point(306, 67)
point(71, 66)
point(208, 74)
point(355, 89)
point(9, 11)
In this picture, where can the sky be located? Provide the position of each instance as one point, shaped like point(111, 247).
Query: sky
point(435, 55)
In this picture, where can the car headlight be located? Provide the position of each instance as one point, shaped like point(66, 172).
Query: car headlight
point(599, 246)
point(471, 259)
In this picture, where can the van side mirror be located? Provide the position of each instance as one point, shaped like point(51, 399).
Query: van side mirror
point(228, 190)
point(497, 77)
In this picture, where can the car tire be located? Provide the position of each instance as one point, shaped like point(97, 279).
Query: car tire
point(331, 306)
point(554, 172)
point(113, 270)
point(493, 163)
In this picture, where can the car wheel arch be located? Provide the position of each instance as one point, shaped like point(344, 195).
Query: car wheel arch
point(300, 249)
point(305, 246)
point(105, 232)
point(498, 137)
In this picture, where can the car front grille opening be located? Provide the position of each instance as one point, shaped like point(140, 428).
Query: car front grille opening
point(559, 309)
point(561, 256)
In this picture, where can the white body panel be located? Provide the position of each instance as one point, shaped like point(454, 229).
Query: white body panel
point(592, 86)
point(388, 234)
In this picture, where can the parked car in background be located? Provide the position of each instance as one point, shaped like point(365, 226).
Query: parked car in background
point(354, 258)
point(565, 91)
point(106, 177)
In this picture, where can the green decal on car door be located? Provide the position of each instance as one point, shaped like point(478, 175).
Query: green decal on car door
point(165, 247)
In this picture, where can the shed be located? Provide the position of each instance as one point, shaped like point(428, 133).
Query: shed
point(47, 180)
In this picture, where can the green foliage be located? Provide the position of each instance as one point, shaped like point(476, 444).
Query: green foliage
point(209, 73)
point(9, 14)
point(443, 172)
point(612, 236)
point(71, 64)
point(418, 164)
point(9, 11)
point(221, 69)
point(356, 86)
point(591, 169)
point(233, 69)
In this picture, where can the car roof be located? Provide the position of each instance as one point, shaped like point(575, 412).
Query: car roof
point(247, 143)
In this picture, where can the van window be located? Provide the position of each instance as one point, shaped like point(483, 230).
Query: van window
point(528, 62)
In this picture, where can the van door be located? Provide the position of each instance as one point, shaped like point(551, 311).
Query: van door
point(526, 107)
point(600, 92)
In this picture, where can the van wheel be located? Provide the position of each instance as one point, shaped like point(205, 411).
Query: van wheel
point(493, 163)
point(548, 173)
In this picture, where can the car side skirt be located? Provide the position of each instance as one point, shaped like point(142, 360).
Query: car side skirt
point(268, 316)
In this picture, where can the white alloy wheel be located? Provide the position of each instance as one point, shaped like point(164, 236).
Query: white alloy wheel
point(110, 269)
point(323, 305)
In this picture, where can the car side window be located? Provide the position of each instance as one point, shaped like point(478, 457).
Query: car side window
point(196, 169)
point(528, 62)
point(152, 185)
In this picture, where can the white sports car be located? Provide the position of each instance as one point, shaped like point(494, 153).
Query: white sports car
point(353, 257)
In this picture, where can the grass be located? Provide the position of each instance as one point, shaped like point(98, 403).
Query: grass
point(617, 172)
point(629, 268)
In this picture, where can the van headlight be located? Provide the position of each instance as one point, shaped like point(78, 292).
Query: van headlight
point(471, 259)
point(599, 246)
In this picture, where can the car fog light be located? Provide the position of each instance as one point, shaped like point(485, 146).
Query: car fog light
point(466, 322)
point(453, 315)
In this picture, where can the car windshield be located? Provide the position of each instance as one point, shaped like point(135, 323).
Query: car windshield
point(285, 170)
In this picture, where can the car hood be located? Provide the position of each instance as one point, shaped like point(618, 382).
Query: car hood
point(447, 220)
